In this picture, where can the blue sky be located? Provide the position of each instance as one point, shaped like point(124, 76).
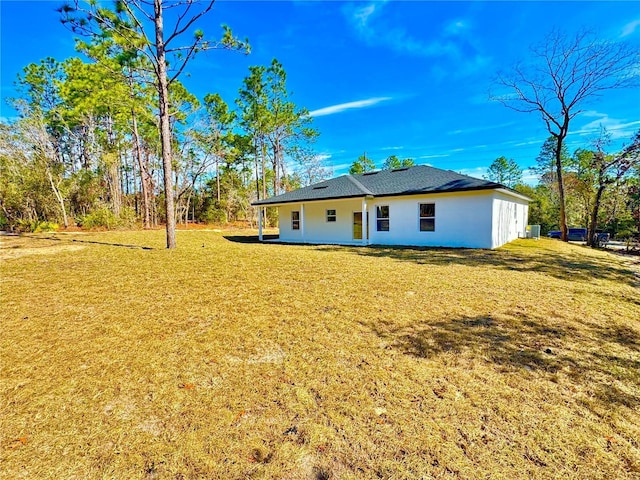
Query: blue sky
point(410, 78)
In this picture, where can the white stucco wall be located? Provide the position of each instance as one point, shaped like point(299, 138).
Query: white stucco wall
point(461, 220)
point(510, 216)
point(480, 219)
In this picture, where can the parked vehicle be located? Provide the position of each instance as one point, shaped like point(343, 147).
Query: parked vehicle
point(580, 235)
point(574, 234)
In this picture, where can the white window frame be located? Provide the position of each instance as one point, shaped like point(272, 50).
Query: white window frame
point(295, 222)
point(334, 215)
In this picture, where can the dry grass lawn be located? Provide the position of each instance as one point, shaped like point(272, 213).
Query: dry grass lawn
point(231, 359)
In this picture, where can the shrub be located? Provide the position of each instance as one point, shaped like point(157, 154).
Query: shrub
point(103, 217)
point(36, 226)
point(99, 218)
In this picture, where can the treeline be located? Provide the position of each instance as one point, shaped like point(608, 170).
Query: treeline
point(86, 148)
point(601, 189)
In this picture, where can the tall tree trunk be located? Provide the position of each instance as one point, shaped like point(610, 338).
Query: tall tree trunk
point(165, 127)
point(263, 153)
point(137, 147)
point(58, 195)
point(186, 209)
point(113, 172)
point(563, 214)
point(218, 179)
point(255, 159)
point(593, 225)
point(274, 163)
point(144, 174)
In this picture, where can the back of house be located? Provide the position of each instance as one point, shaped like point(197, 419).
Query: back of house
point(414, 206)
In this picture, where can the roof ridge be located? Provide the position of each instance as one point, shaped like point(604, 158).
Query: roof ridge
point(357, 183)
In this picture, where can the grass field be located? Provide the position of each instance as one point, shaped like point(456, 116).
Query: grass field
point(231, 359)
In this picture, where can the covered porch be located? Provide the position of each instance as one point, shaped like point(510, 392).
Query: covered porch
point(332, 221)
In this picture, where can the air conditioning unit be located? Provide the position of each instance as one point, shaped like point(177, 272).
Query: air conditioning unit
point(533, 231)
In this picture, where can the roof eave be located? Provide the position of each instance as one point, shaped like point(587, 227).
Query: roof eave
point(514, 193)
point(497, 187)
point(267, 203)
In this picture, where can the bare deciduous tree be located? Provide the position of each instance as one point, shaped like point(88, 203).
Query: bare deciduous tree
point(563, 73)
point(608, 170)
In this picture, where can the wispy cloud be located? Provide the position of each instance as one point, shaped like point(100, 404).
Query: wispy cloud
point(530, 177)
point(529, 142)
point(617, 128)
point(342, 167)
point(426, 157)
point(361, 15)
point(480, 128)
point(630, 28)
point(477, 172)
point(454, 41)
point(362, 18)
point(341, 107)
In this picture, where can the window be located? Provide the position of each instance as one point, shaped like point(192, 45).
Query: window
point(427, 217)
point(295, 220)
point(331, 215)
point(382, 218)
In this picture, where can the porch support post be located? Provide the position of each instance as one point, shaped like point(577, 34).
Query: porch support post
point(260, 223)
point(365, 227)
point(302, 222)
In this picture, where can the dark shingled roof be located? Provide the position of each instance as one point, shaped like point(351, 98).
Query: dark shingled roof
point(416, 180)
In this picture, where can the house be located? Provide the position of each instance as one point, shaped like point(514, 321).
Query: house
point(416, 206)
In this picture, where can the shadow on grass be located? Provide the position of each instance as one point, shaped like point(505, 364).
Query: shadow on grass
point(95, 242)
point(549, 262)
point(249, 238)
point(533, 344)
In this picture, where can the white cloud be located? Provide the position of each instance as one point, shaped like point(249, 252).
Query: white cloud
point(476, 172)
point(342, 167)
point(323, 156)
point(630, 28)
point(341, 107)
point(480, 128)
point(617, 128)
point(425, 157)
point(453, 41)
point(529, 142)
point(395, 38)
point(361, 15)
point(457, 27)
point(529, 177)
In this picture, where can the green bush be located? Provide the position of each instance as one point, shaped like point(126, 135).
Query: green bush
point(103, 217)
point(213, 214)
point(36, 226)
point(128, 217)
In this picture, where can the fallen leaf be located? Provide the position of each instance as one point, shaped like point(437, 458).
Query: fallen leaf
point(240, 414)
point(187, 386)
point(18, 442)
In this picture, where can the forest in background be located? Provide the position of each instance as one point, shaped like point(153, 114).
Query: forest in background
point(86, 148)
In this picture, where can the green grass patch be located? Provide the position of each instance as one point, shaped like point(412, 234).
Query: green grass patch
point(232, 359)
